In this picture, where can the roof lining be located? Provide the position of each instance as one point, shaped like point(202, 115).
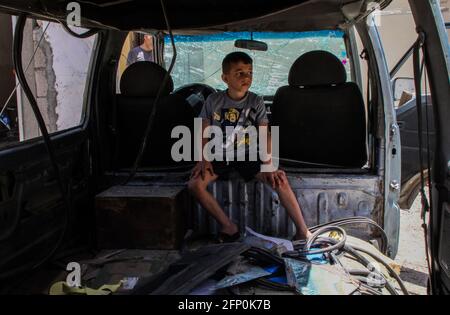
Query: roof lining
point(321, 15)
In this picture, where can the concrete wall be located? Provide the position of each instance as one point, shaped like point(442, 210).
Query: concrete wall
point(44, 76)
point(57, 77)
point(28, 127)
point(70, 64)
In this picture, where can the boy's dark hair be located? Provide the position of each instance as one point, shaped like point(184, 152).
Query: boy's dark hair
point(235, 57)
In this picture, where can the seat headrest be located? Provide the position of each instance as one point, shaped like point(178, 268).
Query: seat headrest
point(316, 68)
point(144, 78)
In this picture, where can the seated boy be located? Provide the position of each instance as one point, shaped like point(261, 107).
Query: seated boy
point(225, 109)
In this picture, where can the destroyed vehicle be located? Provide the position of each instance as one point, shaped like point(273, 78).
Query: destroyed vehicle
point(107, 194)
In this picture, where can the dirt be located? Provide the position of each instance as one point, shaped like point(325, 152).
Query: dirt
point(411, 254)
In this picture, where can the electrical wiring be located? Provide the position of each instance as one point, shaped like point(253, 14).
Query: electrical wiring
point(306, 249)
point(391, 271)
point(18, 39)
point(86, 34)
point(331, 246)
point(371, 270)
point(321, 231)
point(89, 33)
point(358, 220)
point(65, 193)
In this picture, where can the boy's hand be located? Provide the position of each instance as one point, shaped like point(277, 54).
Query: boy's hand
point(201, 168)
point(274, 179)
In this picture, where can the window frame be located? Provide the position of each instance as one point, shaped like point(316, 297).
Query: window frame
point(86, 99)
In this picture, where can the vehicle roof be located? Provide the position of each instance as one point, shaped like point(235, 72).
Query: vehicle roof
point(188, 16)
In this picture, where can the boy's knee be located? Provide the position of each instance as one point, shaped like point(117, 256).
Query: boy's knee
point(195, 185)
point(284, 183)
point(283, 186)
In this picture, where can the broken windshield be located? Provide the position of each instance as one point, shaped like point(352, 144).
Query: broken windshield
point(199, 57)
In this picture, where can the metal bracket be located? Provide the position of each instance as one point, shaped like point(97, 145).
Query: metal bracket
point(394, 185)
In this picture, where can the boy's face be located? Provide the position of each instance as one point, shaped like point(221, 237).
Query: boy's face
point(239, 77)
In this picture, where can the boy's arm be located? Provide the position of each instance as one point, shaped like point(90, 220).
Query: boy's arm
point(268, 143)
point(203, 165)
point(272, 176)
point(206, 116)
point(205, 124)
point(263, 121)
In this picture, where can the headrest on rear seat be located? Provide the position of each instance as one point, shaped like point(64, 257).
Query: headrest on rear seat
point(144, 79)
point(317, 68)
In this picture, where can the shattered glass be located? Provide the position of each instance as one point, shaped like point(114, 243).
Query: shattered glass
point(199, 57)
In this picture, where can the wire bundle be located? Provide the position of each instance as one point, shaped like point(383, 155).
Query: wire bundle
point(371, 281)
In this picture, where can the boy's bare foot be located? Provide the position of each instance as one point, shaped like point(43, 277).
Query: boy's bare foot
point(302, 236)
point(230, 229)
point(229, 234)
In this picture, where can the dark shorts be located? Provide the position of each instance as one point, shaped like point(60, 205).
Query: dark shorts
point(247, 169)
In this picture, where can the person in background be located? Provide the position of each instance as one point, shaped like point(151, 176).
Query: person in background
point(143, 52)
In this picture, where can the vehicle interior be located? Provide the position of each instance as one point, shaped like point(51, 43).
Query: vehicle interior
point(345, 150)
point(111, 183)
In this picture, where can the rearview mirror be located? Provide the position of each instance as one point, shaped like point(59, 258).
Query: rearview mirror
point(402, 85)
point(250, 44)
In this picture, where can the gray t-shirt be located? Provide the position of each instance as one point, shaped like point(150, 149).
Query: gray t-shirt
point(222, 111)
point(139, 54)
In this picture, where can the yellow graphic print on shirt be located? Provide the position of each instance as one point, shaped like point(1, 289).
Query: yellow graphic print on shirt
point(232, 116)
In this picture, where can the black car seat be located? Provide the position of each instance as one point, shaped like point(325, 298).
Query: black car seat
point(139, 86)
point(321, 116)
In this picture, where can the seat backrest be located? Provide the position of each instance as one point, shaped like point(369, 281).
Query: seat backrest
point(321, 116)
point(139, 86)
